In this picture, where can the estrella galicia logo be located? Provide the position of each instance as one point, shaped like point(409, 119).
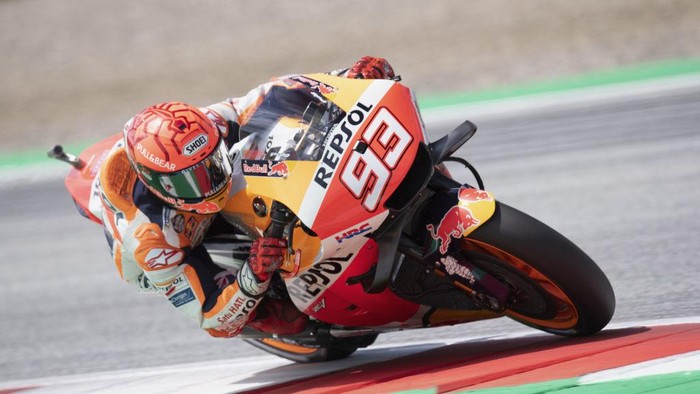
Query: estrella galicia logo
point(182, 297)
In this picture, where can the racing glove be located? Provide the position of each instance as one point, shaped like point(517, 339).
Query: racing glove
point(266, 255)
point(371, 68)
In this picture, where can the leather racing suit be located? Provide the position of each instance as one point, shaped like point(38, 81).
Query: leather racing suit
point(159, 248)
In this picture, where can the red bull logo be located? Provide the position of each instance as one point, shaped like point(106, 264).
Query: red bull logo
point(204, 207)
point(468, 195)
point(458, 219)
point(278, 169)
point(455, 223)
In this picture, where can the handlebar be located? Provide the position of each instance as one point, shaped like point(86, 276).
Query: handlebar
point(280, 216)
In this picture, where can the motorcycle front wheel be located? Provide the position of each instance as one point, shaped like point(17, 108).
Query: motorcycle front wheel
point(554, 286)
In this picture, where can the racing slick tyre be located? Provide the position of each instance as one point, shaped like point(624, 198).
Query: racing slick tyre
point(289, 349)
point(555, 286)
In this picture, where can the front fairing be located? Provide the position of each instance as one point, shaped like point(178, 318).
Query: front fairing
point(333, 151)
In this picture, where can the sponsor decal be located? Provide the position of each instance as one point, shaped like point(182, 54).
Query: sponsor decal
point(456, 222)
point(468, 195)
point(321, 305)
point(204, 208)
point(458, 219)
point(338, 143)
point(316, 279)
point(158, 161)
point(178, 223)
point(255, 167)
point(353, 232)
point(275, 169)
point(279, 169)
point(169, 288)
point(158, 258)
point(453, 267)
point(182, 297)
point(239, 309)
point(341, 136)
point(197, 144)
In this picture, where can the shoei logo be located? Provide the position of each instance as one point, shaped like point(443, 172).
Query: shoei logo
point(196, 145)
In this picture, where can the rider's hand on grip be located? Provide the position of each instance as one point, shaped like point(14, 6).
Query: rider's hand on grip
point(371, 68)
point(266, 255)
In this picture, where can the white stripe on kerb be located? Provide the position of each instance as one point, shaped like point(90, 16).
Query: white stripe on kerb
point(686, 362)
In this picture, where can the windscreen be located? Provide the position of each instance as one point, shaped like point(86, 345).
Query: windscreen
point(290, 124)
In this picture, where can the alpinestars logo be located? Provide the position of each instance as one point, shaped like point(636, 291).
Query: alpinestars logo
point(158, 258)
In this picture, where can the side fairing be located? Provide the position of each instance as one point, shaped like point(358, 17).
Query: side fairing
point(331, 290)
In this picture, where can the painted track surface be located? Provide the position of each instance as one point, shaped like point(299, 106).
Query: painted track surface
point(504, 362)
point(618, 177)
point(665, 356)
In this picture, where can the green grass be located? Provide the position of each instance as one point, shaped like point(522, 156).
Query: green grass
point(636, 73)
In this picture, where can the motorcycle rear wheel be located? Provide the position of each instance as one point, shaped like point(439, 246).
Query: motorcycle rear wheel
point(556, 287)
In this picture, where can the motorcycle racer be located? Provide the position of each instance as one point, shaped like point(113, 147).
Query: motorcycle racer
point(158, 193)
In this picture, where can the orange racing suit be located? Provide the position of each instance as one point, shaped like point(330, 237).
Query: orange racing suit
point(159, 248)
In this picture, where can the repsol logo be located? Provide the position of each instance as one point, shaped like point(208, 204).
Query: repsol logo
point(170, 287)
point(338, 142)
point(316, 279)
point(196, 145)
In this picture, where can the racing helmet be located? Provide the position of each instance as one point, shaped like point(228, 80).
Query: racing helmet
point(180, 155)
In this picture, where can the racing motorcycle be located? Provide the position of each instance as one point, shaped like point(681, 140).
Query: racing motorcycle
point(381, 237)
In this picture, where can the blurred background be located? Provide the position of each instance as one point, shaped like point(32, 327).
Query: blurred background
point(73, 71)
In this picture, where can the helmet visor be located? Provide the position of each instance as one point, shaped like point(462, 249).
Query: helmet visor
point(198, 182)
